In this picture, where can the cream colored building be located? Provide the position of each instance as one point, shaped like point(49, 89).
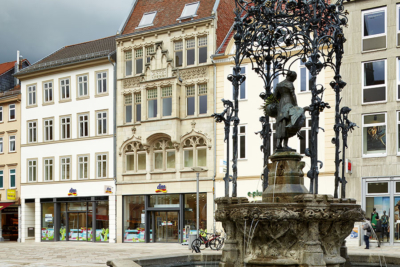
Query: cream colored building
point(164, 125)
point(371, 70)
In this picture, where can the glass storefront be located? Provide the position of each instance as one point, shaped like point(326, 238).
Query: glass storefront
point(47, 222)
point(134, 222)
point(9, 223)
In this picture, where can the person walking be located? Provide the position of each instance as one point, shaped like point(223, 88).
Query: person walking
point(378, 231)
point(367, 232)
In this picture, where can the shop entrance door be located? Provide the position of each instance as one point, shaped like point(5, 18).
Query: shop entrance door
point(77, 222)
point(166, 226)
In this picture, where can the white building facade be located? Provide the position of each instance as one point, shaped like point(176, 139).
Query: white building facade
point(67, 137)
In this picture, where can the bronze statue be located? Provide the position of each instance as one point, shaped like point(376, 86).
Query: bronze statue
point(289, 116)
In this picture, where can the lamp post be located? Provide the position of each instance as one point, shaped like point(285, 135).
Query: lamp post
point(197, 170)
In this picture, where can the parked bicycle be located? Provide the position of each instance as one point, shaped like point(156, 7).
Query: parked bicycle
point(204, 240)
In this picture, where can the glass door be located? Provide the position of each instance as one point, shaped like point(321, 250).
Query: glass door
point(166, 226)
point(77, 223)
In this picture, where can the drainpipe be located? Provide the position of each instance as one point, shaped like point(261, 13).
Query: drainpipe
point(114, 136)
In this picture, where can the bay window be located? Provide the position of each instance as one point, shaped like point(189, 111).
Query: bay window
point(135, 157)
point(164, 155)
point(374, 81)
point(194, 152)
point(374, 135)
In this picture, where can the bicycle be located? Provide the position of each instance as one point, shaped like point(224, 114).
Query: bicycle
point(203, 242)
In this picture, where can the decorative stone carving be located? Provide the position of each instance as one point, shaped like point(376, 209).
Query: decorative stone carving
point(188, 36)
point(159, 74)
point(193, 132)
point(132, 82)
point(193, 73)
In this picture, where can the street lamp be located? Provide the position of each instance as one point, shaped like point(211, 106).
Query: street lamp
point(197, 170)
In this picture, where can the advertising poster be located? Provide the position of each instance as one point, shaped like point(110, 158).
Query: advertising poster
point(354, 238)
point(135, 235)
point(102, 234)
point(47, 234)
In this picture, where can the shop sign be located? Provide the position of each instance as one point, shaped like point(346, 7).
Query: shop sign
point(108, 189)
point(254, 194)
point(11, 194)
point(161, 188)
point(48, 217)
point(72, 192)
point(10, 210)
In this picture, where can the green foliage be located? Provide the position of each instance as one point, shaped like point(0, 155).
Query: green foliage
point(270, 100)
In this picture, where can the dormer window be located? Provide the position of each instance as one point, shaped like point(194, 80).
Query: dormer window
point(147, 19)
point(190, 10)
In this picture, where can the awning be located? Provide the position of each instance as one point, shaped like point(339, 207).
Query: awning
point(4, 205)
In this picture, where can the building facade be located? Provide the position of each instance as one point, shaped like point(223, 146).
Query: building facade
point(164, 125)
point(372, 71)
point(67, 145)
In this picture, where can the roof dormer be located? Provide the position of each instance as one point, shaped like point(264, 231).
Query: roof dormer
point(147, 19)
point(189, 11)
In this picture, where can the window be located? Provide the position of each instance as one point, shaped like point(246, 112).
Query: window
point(166, 94)
point(65, 127)
point(83, 125)
point(202, 93)
point(83, 86)
point(128, 108)
point(398, 132)
point(190, 51)
point(11, 147)
point(398, 78)
point(398, 25)
point(1, 144)
point(374, 81)
point(48, 169)
point(1, 179)
point(48, 92)
point(190, 100)
point(190, 10)
point(138, 107)
point(164, 155)
point(32, 95)
point(178, 53)
point(64, 89)
point(32, 132)
point(242, 142)
point(12, 178)
point(374, 29)
point(202, 49)
point(152, 103)
point(306, 134)
point(48, 130)
point(11, 115)
point(272, 126)
point(101, 165)
point(139, 60)
point(128, 63)
point(1, 114)
point(194, 152)
point(374, 135)
point(83, 167)
point(135, 157)
point(101, 82)
point(305, 77)
point(149, 52)
point(32, 170)
point(147, 19)
point(101, 122)
point(242, 87)
point(65, 165)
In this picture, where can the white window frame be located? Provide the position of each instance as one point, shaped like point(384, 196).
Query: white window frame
point(306, 128)
point(365, 12)
point(179, 48)
point(245, 141)
point(377, 155)
point(83, 82)
point(156, 97)
point(32, 95)
point(99, 89)
point(1, 145)
point(398, 75)
point(101, 161)
point(397, 23)
point(271, 125)
point(35, 166)
point(194, 147)
point(101, 121)
point(9, 112)
point(65, 86)
point(46, 168)
point(9, 143)
point(32, 129)
point(63, 126)
point(15, 178)
point(87, 163)
point(1, 114)
point(127, 60)
point(397, 131)
point(48, 129)
point(307, 80)
point(81, 123)
point(48, 89)
point(2, 178)
point(63, 168)
point(373, 86)
point(163, 96)
point(189, 16)
point(143, 18)
point(136, 151)
point(245, 89)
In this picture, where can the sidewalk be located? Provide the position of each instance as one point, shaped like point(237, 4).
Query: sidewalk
point(384, 250)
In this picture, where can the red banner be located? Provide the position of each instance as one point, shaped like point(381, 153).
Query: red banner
point(5, 205)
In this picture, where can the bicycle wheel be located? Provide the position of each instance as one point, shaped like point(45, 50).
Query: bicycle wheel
point(198, 243)
point(215, 244)
point(221, 243)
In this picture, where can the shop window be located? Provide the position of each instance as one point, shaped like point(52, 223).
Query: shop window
point(166, 94)
point(135, 157)
point(139, 60)
point(135, 220)
point(65, 127)
point(164, 201)
point(48, 169)
point(32, 132)
point(128, 108)
point(32, 170)
point(190, 51)
point(306, 134)
point(83, 167)
point(178, 47)
point(83, 86)
point(149, 52)
point(397, 187)
point(203, 49)
point(11, 112)
point(64, 89)
point(190, 100)
point(32, 95)
point(378, 209)
point(374, 29)
point(13, 178)
point(242, 87)
point(190, 212)
point(164, 155)
point(138, 107)
point(242, 142)
point(152, 103)
point(305, 77)
point(101, 165)
point(378, 188)
point(202, 93)
point(1, 179)
point(48, 92)
point(396, 219)
point(374, 81)
point(128, 63)
point(101, 122)
point(194, 152)
point(48, 130)
point(374, 135)
point(11, 144)
point(102, 221)
point(47, 221)
point(65, 168)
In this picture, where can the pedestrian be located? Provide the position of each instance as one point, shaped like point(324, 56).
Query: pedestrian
point(367, 232)
point(378, 230)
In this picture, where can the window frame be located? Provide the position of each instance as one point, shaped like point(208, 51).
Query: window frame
point(368, 11)
point(142, 57)
point(377, 155)
point(46, 165)
point(194, 147)
point(79, 124)
point(397, 24)
point(198, 98)
point(10, 179)
point(29, 131)
point(187, 96)
point(47, 126)
point(1, 114)
point(135, 98)
point(398, 133)
point(308, 74)
point(66, 99)
point(2, 178)
point(151, 99)
point(15, 144)
point(44, 89)
point(1, 144)
point(102, 160)
point(181, 17)
point(126, 62)
point(179, 50)
point(398, 74)
point(126, 104)
point(97, 112)
point(15, 112)
point(245, 141)
point(202, 46)
point(245, 86)
point(147, 25)
point(363, 87)
point(28, 93)
point(65, 164)
point(28, 171)
point(162, 101)
point(78, 165)
point(187, 49)
point(164, 152)
point(78, 95)
point(62, 124)
point(135, 154)
point(307, 129)
point(150, 49)
point(99, 94)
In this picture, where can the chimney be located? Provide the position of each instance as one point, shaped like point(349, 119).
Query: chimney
point(17, 68)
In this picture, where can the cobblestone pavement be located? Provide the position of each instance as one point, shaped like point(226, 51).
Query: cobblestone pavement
point(56, 254)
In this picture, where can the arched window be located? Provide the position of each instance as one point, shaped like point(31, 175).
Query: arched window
point(164, 155)
point(194, 152)
point(135, 157)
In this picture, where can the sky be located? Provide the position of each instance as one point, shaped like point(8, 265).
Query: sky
point(37, 28)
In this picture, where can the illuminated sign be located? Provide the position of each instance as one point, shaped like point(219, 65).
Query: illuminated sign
point(161, 189)
point(11, 194)
point(108, 189)
point(72, 192)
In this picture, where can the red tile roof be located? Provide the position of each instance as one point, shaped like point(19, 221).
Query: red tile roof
point(168, 11)
point(4, 67)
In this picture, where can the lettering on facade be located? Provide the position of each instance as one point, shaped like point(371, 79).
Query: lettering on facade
point(254, 194)
point(72, 192)
point(11, 194)
point(108, 189)
point(161, 189)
